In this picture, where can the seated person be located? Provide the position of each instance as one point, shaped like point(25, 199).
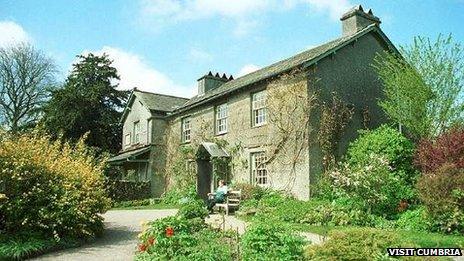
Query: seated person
point(219, 195)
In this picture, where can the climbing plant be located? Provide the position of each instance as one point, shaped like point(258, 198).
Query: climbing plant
point(335, 116)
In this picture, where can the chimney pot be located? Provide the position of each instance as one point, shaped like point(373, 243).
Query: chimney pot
point(355, 19)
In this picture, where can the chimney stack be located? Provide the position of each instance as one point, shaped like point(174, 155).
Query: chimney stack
point(356, 19)
point(210, 82)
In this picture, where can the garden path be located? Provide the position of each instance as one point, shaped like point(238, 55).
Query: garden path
point(233, 223)
point(119, 240)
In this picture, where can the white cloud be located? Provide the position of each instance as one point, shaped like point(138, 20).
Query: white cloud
point(134, 71)
point(245, 13)
point(248, 68)
point(12, 33)
point(198, 55)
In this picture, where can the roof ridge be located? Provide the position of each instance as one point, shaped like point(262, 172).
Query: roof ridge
point(167, 95)
point(307, 50)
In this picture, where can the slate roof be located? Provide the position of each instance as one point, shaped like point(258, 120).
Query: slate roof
point(306, 58)
point(174, 105)
point(159, 102)
point(129, 155)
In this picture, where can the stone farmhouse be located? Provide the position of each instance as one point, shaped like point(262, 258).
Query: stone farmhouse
point(232, 118)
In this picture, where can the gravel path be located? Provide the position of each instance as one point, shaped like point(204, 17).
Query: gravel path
point(119, 240)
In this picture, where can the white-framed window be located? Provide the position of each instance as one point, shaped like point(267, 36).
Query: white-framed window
point(186, 129)
point(221, 118)
point(258, 169)
point(258, 107)
point(127, 139)
point(137, 131)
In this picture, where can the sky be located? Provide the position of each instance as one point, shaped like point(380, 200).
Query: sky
point(164, 46)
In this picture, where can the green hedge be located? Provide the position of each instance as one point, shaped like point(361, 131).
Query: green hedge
point(125, 190)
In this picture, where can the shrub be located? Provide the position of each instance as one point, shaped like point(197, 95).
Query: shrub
point(442, 193)
point(271, 241)
point(51, 188)
point(125, 190)
point(447, 148)
point(180, 196)
point(133, 203)
point(416, 220)
point(194, 209)
point(190, 240)
point(387, 143)
point(250, 191)
point(355, 244)
point(372, 183)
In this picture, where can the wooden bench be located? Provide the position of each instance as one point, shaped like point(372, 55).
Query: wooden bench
point(232, 201)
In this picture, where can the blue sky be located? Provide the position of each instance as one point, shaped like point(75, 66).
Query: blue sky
point(166, 45)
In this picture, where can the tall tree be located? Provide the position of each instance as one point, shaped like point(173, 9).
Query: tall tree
point(26, 75)
point(424, 88)
point(88, 103)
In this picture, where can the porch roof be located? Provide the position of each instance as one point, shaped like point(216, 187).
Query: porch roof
point(128, 155)
point(214, 150)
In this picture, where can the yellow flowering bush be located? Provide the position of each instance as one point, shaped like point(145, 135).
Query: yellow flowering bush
point(53, 188)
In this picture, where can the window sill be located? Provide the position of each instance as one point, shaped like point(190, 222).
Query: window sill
point(221, 134)
point(260, 125)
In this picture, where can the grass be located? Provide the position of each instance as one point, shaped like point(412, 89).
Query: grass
point(423, 239)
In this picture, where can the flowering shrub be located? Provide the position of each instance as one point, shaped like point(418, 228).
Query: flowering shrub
point(387, 143)
point(447, 148)
point(51, 188)
point(176, 237)
point(373, 183)
point(442, 193)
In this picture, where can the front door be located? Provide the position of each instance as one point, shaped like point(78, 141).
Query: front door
point(204, 178)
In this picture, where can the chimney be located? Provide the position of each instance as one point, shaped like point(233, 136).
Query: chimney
point(210, 82)
point(356, 19)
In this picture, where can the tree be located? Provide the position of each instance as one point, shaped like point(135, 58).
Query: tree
point(88, 103)
point(424, 86)
point(26, 75)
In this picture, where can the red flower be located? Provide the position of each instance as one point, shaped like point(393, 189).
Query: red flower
point(151, 241)
point(169, 232)
point(142, 247)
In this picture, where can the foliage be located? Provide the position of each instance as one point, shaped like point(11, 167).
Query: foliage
point(250, 191)
point(132, 203)
point(424, 87)
point(388, 143)
point(447, 148)
point(176, 196)
point(53, 188)
point(194, 209)
point(125, 190)
point(190, 240)
point(356, 244)
point(88, 103)
point(26, 76)
point(334, 119)
point(442, 193)
point(416, 220)
point(374, 184)
point(270, 241)
point(22, 246)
